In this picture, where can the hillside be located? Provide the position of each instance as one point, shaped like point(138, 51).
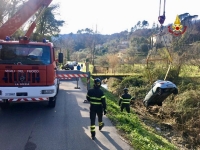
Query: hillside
point(178, 120)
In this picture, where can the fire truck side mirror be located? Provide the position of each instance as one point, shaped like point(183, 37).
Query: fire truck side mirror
point(60, 57)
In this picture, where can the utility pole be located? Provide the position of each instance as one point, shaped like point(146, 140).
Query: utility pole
point(94, 44)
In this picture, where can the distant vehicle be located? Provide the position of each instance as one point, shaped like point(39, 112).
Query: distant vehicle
point(159, 92)
point(75, 63)
point(68, 67)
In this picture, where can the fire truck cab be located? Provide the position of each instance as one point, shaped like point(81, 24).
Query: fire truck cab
point(27, 72)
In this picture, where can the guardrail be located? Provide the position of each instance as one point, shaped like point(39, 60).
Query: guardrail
point(114, 74)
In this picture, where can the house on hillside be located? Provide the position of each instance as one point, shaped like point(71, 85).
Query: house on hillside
point(163, 39)
point(98, 46)
point(125, 42)
point(123, 45)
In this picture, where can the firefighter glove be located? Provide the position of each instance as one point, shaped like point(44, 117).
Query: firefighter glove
point(105, 112)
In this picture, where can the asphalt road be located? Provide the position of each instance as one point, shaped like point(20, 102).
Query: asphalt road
point(34, 126)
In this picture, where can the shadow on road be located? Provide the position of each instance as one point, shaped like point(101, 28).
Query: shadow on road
point(106, 134)
point(100, 144)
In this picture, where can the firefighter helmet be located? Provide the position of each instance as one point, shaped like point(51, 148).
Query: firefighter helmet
point(125, 90)
point(97, 82)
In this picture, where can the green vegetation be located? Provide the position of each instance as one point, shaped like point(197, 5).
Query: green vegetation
point(137, 52)
point(127, 52)
point(180, 112)
point(139, 136)
point(132, 129)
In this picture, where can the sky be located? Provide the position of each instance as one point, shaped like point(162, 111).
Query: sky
point(114, 16)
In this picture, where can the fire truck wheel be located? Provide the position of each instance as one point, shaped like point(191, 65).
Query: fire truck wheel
point(52, 102)
point(57, 89)
point(4, 105)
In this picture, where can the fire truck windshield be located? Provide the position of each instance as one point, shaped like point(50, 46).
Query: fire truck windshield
point(24, 54)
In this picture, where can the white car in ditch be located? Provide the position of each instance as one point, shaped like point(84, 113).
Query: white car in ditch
point(159, 92)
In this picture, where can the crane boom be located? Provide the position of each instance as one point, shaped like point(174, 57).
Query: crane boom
point(21, 16)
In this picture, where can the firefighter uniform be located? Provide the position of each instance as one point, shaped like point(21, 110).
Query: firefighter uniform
point(97, 101)
point(125, 101)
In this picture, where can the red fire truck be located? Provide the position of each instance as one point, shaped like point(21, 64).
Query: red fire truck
point(27, 69)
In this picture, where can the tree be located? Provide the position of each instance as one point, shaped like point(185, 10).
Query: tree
point(132, 29)
point(186, 18)
point(153, 25)
point(89, 31)
point(113, 60)
point(3, 10)
point(138, 24)
point(144, 48)
point(68, 55)
point(89, 37)
point(47, 25)
point(139, 44)
point(182, 16)
point(194, 55)
point(145, 24)
point(103, 61)
point(8, 8)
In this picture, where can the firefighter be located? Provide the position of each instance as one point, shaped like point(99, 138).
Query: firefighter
point(97, 101)
point(125, 101)
point(78, 67)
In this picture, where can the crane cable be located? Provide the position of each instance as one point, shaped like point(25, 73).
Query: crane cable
point(161, 19)
point(169, 58)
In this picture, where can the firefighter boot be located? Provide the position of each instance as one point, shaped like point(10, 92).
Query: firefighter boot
point(93, 135)
point(92, 130)
point(101, 125)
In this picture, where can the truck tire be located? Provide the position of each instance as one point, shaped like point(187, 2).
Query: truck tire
point(52, 102)
point(57, 89)
point(4, 105)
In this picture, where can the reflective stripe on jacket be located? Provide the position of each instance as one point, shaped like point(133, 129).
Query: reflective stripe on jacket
point(125, 99)
point(95, 100)
point(96, 97)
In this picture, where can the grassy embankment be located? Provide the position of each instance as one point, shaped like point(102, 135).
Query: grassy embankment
point(135, 132)
point(185, 106)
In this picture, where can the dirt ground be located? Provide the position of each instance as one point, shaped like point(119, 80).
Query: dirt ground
point(165, 125)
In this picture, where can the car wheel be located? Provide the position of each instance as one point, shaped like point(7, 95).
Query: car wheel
point(175, 91)
point(146, 104)
point(159, 91)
